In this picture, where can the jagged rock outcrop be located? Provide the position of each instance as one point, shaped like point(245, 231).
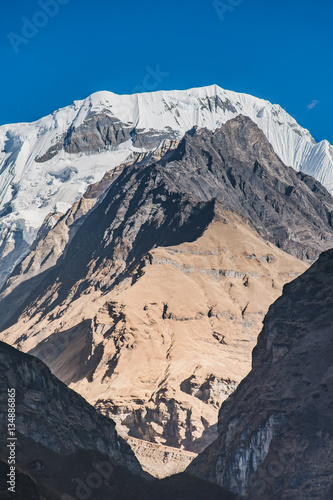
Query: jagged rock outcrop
point(275, 431)
point(237, 161)
point(102, 131)
point(158, 460)
point(153, 308)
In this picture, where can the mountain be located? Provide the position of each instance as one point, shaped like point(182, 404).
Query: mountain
point(56, 431)
point(275, 431)
point(147, 296)
point(47, 165)
point(65, 450)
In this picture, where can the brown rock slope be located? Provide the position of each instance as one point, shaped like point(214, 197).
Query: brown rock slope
point(65, 450)
point(175, 343)
point(183, 333)
point(275, 432)
point(153, 307)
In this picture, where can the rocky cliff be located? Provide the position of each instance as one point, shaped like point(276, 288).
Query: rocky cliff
point(152, 306)
point(275, 432)
point(159, 460)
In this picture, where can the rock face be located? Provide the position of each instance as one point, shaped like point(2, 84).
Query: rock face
point(158, 460)
point(237, 166)
point(275, 432)
point(148, 296)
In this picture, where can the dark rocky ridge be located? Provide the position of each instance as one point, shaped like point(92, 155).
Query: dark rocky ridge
point(172, 201)
point(61, 479)
point(237, 166)
point(101, 131)
point(275, 431)
point(26, 489)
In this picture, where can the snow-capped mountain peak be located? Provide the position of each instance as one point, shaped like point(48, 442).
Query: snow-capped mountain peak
point(47, 165)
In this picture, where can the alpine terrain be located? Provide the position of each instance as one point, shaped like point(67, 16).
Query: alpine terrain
point(144, 238)
point(47, 165)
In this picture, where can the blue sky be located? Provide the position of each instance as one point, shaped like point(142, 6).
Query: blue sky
point(280, 51)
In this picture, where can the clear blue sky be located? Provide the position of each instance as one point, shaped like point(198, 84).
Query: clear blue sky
point(281, 51)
